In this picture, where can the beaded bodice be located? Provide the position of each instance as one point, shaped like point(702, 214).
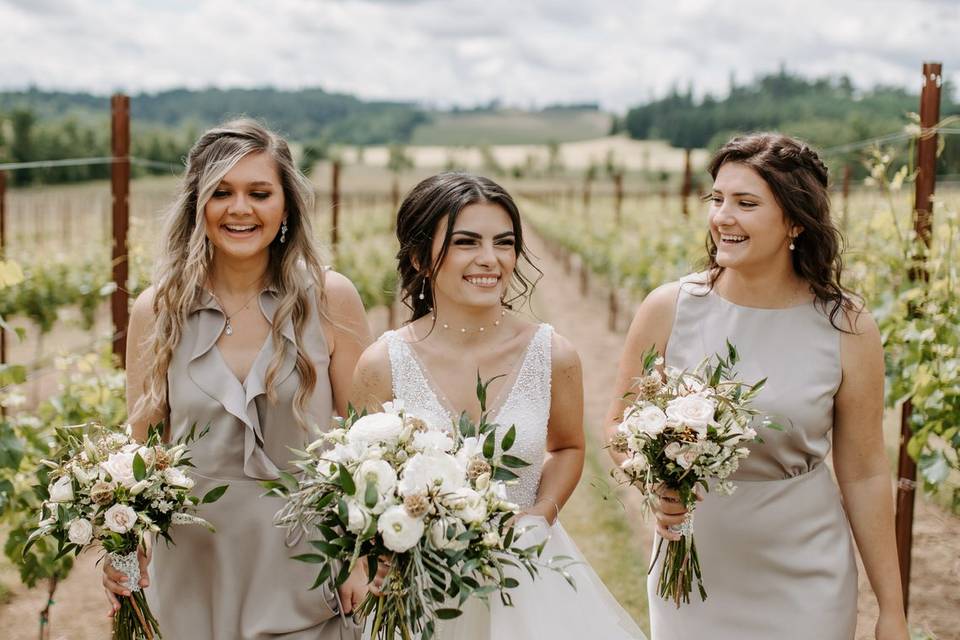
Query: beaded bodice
point(526, 404)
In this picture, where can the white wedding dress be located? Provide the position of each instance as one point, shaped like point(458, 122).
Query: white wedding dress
point(547, 607)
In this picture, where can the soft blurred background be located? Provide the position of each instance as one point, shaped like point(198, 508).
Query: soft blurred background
point(599, 117)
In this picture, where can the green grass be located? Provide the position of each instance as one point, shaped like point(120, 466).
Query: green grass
point(598, 523)
point(511, 127)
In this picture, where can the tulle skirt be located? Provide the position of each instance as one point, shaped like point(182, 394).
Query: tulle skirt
point(547, 607)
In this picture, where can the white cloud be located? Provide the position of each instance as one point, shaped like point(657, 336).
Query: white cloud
point(618, 52)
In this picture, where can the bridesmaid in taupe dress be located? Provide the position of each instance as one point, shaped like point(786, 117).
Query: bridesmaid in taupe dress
point(244, 332)
point(777, 556)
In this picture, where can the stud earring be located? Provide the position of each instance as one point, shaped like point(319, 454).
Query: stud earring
point(422, 288)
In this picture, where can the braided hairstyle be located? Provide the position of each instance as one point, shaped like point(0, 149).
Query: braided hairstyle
point(798, 179)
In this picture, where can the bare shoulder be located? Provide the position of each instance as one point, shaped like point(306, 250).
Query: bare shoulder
point(339, 290)
point(662, 301)
point(373, 376)
point(563, 355)
point(653, 321)
point(142, 310)
point(860, 331)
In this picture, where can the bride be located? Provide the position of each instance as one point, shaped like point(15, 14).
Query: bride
point(460, 243)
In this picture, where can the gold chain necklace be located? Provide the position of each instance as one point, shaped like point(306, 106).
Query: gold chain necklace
point(228, 328)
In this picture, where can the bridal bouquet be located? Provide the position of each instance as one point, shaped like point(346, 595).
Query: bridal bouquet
point(682, 429)
point(108, 489)
point(390, 485)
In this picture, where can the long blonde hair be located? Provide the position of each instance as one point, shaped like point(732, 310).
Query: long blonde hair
point(182, 267)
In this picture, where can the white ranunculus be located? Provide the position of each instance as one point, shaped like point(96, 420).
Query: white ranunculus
point(437, 534)
point(120, 468)
point(432, 441)
point(374, 428)
point(358, 517)
point(177, 478)
point(688, 455)
point(650, 420)
point(672, 450)
point(429, 470)
point(379, 472)
point(81, 532)
point(468, 505)
point(399, 531)
point(120, 518)
point(394, 406)
point(61, 490)
point(469, 447)
point(693, 411)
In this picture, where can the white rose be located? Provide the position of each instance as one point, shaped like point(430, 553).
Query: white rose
point(693, 411)
point(468, 505)
point(120, 468)
point(374, 428)
point(358, 517)
point(432, 440)
point(437, 534)
point(61, 490)
point(426, 471)
point(380, 473)
point(120, 518)
point(81, 532)
point(399, 531)
point(177, 478)
point(650, 420)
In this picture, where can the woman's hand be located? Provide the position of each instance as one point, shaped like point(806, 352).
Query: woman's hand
point(115, 582)
point(356, 587)
point(670, 512)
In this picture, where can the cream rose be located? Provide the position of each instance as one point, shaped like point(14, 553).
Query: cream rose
point(650, 420)
point(399, 531)
point(119, 518)
point(120, 467)
point(80, 532)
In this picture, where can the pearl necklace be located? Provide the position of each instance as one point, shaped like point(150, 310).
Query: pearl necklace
point(496, 323)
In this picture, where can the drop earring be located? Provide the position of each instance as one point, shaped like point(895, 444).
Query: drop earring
point(792, 245)
point(283, 232)
point(423, 287)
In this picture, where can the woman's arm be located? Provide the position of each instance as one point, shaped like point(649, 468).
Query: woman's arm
point(650, 328)
point(138, 362)
point(348, 334)
point(372, 379)
point(565, 442)
point(862, 468)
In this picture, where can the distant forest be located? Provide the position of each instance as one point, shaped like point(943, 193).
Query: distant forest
point(46, 125)
point(828, 112)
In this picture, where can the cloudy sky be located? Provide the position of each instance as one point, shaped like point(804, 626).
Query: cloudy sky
point(466, 52)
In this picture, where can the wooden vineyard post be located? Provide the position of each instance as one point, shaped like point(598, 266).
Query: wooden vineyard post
point(686, 187)
point(618, 196)
point(335, 207)
point(3, 252)
point(120, 188)
point(923, 224)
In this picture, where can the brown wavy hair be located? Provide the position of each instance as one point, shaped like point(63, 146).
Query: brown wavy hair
point(444, 196)
point(799, 180)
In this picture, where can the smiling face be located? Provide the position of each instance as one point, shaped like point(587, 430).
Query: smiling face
point(479, 262)
point(244, 214)
point(746, 222)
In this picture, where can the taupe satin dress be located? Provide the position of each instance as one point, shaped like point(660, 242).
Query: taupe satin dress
point(240, 583)
point(777, 555)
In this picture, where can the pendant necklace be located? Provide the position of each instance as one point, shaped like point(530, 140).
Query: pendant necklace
point(228, 328)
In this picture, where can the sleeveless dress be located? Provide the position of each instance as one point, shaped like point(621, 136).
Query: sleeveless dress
point(777, 555)
point(547, 607)
point(239, 583)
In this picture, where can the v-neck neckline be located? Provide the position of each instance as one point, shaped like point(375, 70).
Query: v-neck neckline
point(499, 401)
